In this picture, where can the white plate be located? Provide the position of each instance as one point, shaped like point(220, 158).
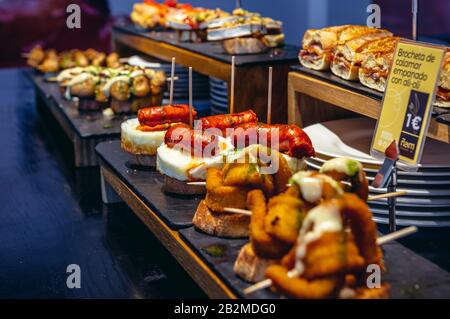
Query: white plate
point(411, 214)
point(333, 139)
point(413, 222)
point(402, 182)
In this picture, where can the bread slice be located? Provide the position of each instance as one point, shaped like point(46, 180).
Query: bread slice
point(249, 266)
point(248, 45)
point(379, 85)
point(442, 103)
point(142, 160)
point(320, 64)
point(345, 71)
point(221, 224)
point(174, 186)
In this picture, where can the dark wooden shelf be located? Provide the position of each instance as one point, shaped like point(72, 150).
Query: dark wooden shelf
point(209, 59)
point(84, 129)
point(315, 97)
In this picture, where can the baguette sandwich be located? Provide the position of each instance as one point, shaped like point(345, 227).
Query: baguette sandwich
point(443, 92)
point(348, 56)
point(376, 63)
point(319, 44)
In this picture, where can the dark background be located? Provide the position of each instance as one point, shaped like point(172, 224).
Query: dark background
point(25, 23)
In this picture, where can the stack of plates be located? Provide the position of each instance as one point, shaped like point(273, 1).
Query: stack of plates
point(218, 94)
point(428, 201)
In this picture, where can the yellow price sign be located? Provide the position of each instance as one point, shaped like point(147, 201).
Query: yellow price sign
point(407, 103)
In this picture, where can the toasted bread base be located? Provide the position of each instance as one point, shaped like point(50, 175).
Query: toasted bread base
point(250, 267)
point(142, 160)
point(174, 186)
point(320, 65)
point(379, 85)
point(441, 103)
point(247, 45)
point(349, 74)
point(221, 224)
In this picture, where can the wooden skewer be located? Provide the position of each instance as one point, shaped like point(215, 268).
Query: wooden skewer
point(387, 195)
point(238, 211)
point(190, 97)
point(293, 273)
point(172, 79)
point(25, 55)
point(233, 66)
point(247, 212)
point(269, 98)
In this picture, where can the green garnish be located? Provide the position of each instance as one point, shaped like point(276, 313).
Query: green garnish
point(352, 167)
point(215, 250)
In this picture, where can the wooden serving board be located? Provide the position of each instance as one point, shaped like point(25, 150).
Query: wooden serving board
point(251, 74)
point(441, 115)
point(213, 49)
point(222, 265)
point(409, 275)
point(176, 211)
point(85, 129)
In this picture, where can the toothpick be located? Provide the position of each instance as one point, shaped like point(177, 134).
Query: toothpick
point(269, 98)
point(387, 195)
point(233, 66)
point(238, 211)
point(190, 97)
point(294, 273)
point(396, 235)
point(172, 79)
point(196, 183)
point(248, 212)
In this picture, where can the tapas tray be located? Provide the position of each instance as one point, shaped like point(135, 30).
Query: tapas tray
point(410, 275)
point(84, 129)
point(176, 211)
point(214, 50)
point(84, 124)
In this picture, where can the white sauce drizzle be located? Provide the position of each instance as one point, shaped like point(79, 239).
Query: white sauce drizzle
point(321, 219)
point(341, 165)
point(311, 185)
point(110, 82)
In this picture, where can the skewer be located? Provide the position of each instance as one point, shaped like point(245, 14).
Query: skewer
point(269, 98)
point(25, 55)
point(293, 273)
point(172, 79)
point(387, 195)
point(372, 198)
point(238, 211)
point(190, 97)
point(233, 65)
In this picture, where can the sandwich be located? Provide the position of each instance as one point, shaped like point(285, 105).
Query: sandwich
point(246, 32)
point(443, 91)
point(319, 44)
point(347, 56)
point(376, 64)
